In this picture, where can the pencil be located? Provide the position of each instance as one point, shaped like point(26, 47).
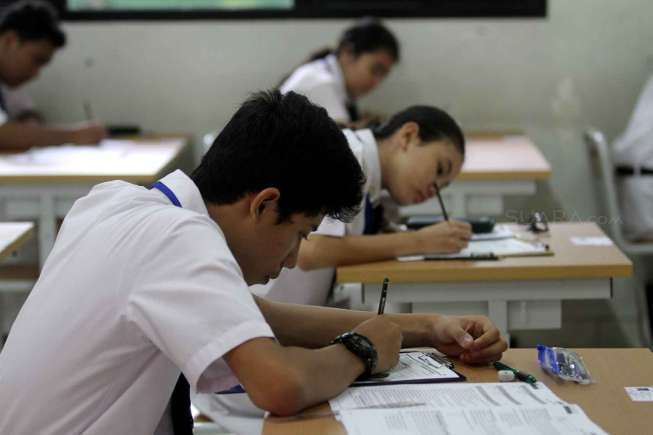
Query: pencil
point(88, 111)
point(384, 294)
point(444, 210)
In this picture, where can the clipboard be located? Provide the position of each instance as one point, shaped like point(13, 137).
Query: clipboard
point(490, 250)
point(414, 368)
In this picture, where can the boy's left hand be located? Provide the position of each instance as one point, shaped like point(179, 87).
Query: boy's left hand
point(473, 339)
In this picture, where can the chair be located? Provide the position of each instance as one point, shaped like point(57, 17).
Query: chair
point(599, 151)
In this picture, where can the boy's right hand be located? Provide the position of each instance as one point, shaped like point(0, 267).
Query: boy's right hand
point(386, 337)
point(444, 237)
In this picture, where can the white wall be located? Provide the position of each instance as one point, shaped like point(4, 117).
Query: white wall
point(584, 64)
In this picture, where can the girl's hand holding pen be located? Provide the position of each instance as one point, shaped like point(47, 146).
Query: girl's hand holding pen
point(444, 237)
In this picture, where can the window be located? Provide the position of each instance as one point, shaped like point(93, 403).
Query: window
point(212, 9)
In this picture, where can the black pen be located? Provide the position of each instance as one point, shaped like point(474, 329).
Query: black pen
point(88, 111)
point(384, 294)
point(444, 210)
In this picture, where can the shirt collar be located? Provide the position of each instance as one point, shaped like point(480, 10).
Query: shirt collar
point(186, 191)
point(370, 160)
point(333, 66)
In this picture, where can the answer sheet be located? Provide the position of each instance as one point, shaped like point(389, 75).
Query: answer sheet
point(448, 395)
point(508, 420)
point(510, 247)
point(412, 367)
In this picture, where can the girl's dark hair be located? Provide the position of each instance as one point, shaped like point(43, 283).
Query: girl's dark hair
point(365, 36)
point(434, 124)
point(283, 141)
point(33, 20)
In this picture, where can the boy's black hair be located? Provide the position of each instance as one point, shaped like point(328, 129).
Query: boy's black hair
point(33, 20)
point(434, 124)
point(283, 141)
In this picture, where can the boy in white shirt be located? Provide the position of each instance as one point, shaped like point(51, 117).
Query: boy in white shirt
point(144, 284)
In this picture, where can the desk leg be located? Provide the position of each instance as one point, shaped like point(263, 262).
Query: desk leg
point(47, 228)
point(498, 312)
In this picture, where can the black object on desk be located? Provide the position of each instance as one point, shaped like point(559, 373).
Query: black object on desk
point(480, 225)
point(123, 130)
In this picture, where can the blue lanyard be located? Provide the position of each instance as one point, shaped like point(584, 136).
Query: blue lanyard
point(167, 192)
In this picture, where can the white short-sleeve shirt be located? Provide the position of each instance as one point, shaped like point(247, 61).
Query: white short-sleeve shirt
point(312, 287)
point(321, 81)
point(135, 289)
point(635, 148)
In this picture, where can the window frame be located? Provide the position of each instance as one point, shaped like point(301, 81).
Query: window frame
point(313, 9)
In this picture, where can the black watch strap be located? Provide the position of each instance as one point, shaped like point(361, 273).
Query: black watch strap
point(360, 346)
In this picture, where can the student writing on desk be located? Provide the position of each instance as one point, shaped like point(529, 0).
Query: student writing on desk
point(416, 150)
point(29, 37)
point(145, 284)
point(335, 79)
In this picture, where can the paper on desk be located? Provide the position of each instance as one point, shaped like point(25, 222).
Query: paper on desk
point(57, 155)
point(500, 248)
point(640, 394)
point(448, 395)
point(414, 366)
point(509, 420)
point(592, 241)
point(499, 232)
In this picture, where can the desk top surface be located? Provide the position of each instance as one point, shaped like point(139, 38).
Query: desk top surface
point(140, 161)
point(499, 157)
point(570, 261)
point(605, 402)
point(12, 235)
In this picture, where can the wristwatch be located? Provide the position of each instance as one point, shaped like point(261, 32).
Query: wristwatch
point(360, 346)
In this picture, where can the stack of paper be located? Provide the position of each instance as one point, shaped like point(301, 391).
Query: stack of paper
point(504, 247)
point(497, 408)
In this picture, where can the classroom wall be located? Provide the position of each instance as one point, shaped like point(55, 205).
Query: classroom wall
point(583, 64)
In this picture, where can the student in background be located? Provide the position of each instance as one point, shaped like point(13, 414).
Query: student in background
point(633, 156)
point(144, 284)
point(416, 151)
point(335, 79)
point(29, 37)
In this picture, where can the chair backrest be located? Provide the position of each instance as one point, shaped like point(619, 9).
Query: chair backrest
point(598, 148)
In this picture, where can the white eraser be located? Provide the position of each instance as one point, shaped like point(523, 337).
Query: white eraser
point(506, 375)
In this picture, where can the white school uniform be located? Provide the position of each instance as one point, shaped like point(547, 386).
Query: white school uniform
point(312, 287)
point(635, 148)
point(322, 82)
point(135, 289)
point(16, 101)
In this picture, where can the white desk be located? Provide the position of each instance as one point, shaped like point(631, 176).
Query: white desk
point(42, 186)
point(516, 293)
point(495, 166)
point(12, 236)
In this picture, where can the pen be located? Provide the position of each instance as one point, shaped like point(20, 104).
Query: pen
point(384, 294)
point(444, 210)
point(88, 111)
point(522, 376)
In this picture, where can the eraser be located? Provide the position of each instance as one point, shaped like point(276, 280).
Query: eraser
point(506, 375)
